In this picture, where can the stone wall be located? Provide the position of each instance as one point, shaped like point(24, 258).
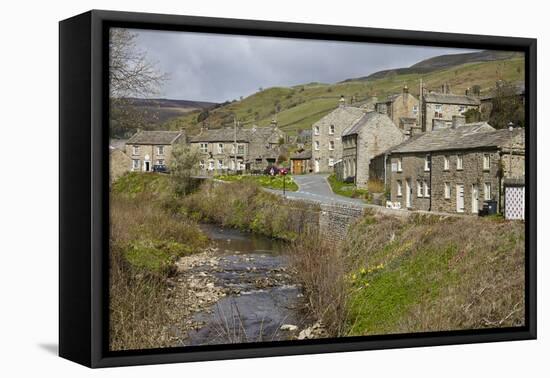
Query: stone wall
point(335, 220)
point(403, 106)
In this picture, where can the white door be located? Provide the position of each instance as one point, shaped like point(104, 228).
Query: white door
point(316, 165)
point(460, 198)
point(408, 193)
point(475, 199)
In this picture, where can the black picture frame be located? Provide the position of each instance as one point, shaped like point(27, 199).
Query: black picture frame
point(83, 181)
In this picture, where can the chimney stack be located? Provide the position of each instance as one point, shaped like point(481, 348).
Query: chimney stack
point(342, 100)
point(405, 89)
point(458, 120)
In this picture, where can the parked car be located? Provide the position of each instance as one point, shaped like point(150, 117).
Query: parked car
point(160, 168)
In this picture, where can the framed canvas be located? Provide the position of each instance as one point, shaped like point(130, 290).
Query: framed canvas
point(235, 188)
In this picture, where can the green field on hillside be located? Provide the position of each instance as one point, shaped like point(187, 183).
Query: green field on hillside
point(300, 106)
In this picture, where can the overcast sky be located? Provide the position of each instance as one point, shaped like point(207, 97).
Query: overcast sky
point(213, 67)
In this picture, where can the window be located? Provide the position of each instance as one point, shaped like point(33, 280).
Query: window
point(160, 162)
point(220, 148)
point(445, 163)
point(438, 111)
point(427, 163)
point(331, 145)
point(211, 165)
point(135, 150)
point(316, 130)
point(459, 162)
point(204, 147)
point(419, 188)
point(240, 149)
point(426, 189)
point(160, 150)
point(220, 163)
point(201, 164)
point(331, 129)
point(330, 162)
point(399, 188)
point(486, 162)
point(399, 164)
point(316, 145)
point(462, 109)
point(415, 109)
point(487, 191)
point(135, 164)
point(447, 190)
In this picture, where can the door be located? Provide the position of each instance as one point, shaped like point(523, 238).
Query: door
point(475, 199)
point(316, 166)
point(460, 198)
point(408, 193)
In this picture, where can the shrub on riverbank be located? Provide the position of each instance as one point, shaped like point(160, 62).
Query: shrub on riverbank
point(347, 190)
point(244, 205)
point(146, 239)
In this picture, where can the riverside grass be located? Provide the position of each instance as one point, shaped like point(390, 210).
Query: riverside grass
point(146, 239)
point(266, 181)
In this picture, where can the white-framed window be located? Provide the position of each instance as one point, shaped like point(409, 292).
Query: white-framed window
point(459, 162)
point(399, 164)
point(135, 150)
point(330, 162)
point(316, 130)
point(204, 147)
point(220, 163)
point(426, 189)
point(427, 163)
point(331, 145)
point(240, 149)
point(317, 145)
point(201, 164)
point(486, 162)
point(331, 129)
point(461, 109)
point(446, 163)
point(160, 150)
point(135, 164)
point(415, 109)
point(487, 191)
point(399, 188)
point(220, 148)
point(447, 190)
point(211, 165)
point(438, 113)
point(437, 107)
point(419, 188)
point(240, 165)
point(160, 162)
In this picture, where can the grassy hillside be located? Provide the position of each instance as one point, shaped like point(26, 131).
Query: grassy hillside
point(300, 106)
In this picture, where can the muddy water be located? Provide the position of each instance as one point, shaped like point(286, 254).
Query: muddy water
point(260, 295)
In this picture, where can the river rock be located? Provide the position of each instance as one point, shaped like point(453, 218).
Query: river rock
point(289, 327)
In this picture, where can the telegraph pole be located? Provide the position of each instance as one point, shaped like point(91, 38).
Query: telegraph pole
point(235, 143)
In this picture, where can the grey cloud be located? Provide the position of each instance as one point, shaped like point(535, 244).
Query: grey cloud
point(216, 68)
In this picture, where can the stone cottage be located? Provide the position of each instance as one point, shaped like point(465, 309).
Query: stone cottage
point(401, 108)
point(150, 150)
point(240, 149)
point(372, 134)
point(326, 141)
point(438, 109)
point(454, 169)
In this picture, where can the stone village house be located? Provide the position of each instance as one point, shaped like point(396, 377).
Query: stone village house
point(237, 149)
point(369, 136)
point(438, 109)
point(453, 169)
point(148, 149)
point(403, 109)
point(326, 143)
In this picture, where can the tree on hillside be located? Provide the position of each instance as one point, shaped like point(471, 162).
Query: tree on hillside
point(131, 74)
point(507, 107)
point(183, 164)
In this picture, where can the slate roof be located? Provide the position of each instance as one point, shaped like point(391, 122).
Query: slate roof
point(469, 136)
point(243, 135)
point(304, 155)
point(361, 122)
point(448, 98)
point(154, 137)
point(519, 89)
